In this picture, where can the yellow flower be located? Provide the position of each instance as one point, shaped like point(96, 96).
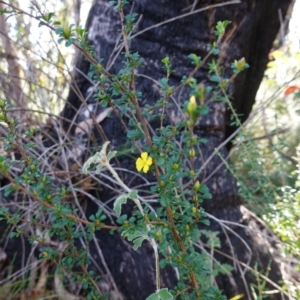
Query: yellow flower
point(192, 105)
point(143, 162)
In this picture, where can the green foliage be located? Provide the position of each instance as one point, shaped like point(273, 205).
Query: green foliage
point(172, 226)
point(284, 215)
point(264, 157)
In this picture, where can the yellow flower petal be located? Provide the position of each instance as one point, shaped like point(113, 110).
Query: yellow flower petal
point(146, 168)
point(139, 164)
point(149, 161)
point(144, 156)
point(193, 100)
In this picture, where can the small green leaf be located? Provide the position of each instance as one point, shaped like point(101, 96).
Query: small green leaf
point(98, 169)
point(221, 27)
point(165, 60)
point(164, 83)
point(165, 295)
point(134, 134)
point(215, 78)
point(111, 154)
point(160, 161)
point(118, 203)
point(137, 237)
point(196, 60)
point(162, 294)
point(137, 243)
point(133, 195)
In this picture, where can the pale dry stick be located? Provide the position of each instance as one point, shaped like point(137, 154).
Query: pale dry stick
point(112, 180)
point(274, 239)
point(237, 266)
point(242, 272)
point(201, 247)
point(253, 270)
point(135, 174)
point(33, 274)
point(194, 5)
point(16, 275)
point(111, 60)
point(281, 29)
point(77, 8)
point(46, 154)
point(244, 279)
point(234, 233)
point(30, 258)
point(230, 246)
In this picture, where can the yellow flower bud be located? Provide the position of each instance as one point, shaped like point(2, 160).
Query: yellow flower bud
point(192, 106)
point(161, 184)
point(178, 259)
point(175, 167)
point(240, 64)
point(197, 186)
point(192, 153)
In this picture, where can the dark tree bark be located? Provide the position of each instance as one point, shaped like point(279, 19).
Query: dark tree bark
point(251, 34)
